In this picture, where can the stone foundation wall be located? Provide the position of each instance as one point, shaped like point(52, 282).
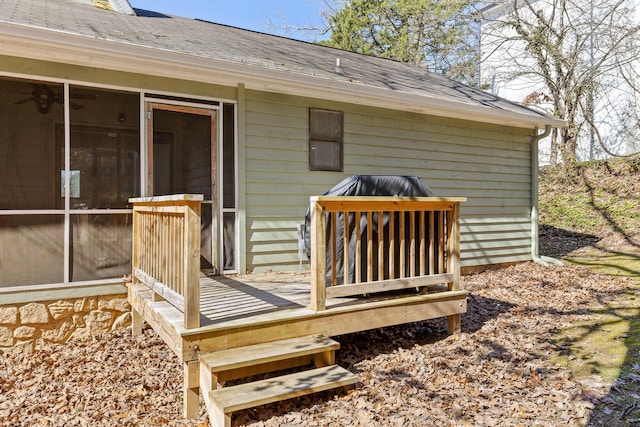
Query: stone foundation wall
point(25, 327)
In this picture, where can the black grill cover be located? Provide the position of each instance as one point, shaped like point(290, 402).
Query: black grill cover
point(363, 185)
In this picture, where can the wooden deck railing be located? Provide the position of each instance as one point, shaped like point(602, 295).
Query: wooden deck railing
point(166, 250)
point(359, 245)
point(362, 245)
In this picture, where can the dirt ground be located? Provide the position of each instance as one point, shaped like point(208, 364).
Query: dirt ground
point(499, 371)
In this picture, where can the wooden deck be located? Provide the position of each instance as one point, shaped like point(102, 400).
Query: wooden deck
point(405, 268)
point(244, 310)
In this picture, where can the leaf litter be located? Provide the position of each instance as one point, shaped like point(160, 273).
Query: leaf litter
point(497, 372)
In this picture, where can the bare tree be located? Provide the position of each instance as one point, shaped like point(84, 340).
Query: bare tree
point(312, 29)
point(575, 59)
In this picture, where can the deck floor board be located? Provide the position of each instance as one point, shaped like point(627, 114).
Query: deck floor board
point(223, 299)
point(248, 309)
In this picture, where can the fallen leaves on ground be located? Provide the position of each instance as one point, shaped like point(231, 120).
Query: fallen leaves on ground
point(498, 371)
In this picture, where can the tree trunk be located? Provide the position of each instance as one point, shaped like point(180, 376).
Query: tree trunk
point(568, 147)
point(553, 155)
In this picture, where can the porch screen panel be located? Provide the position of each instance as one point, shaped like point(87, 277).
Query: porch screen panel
point(228, 235)
point(31, 228)
point(228, 159)
point(29, 112)
point(105, 172)
point(31, 249)
point(101, 246)
point(229, 189)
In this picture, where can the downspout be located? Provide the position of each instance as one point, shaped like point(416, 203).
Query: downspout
point(535, 244)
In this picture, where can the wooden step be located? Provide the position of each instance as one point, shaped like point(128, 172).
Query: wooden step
point(229, 399)
point(270, 357)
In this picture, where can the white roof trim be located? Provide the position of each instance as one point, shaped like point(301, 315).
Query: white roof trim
point(56, 46)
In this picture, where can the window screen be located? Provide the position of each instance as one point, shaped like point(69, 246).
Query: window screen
point(326, 132)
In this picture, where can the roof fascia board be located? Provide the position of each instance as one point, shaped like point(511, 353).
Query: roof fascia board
point(57, 46)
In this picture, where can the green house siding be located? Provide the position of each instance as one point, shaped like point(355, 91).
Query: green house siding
point(488, 164)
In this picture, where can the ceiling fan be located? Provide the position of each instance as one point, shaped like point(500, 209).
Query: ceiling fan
point(44, 97)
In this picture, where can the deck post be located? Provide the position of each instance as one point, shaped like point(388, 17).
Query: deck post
point(318, 255)
point(136, 322)
point(191, 389)
point(453, 246)
point(192, 265)
point(453, 262)
point(454, 324)
point(136, 318)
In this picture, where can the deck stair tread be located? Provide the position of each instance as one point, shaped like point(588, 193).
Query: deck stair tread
point(271, 357)
point(243, 396)
point(241, 357)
